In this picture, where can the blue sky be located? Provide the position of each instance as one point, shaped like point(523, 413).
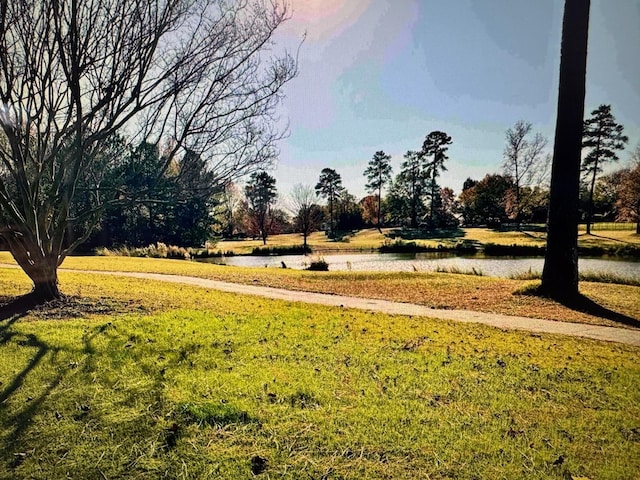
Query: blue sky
point(381, 74)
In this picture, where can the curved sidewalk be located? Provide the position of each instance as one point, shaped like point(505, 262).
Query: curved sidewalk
point(609, 334)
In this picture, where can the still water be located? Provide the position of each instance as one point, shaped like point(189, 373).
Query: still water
point(429, 262)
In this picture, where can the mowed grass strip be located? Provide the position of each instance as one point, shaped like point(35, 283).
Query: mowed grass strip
point(438, 290)
point(200, 384)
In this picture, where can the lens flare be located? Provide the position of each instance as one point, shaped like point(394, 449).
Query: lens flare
point(322, 19)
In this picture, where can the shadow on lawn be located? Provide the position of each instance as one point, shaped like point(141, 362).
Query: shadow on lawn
point(585, 305)
point(10, 313)
point(18, 414)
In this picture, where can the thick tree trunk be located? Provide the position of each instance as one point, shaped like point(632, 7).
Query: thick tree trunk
point(41, 268)
point(560, 273)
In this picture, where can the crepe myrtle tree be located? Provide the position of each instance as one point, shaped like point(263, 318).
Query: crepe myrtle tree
point(75, 73)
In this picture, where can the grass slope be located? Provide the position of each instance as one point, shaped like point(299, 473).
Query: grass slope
point(178, 382)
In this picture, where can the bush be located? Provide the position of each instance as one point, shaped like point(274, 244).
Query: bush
point(514, 250)
point(159, 250)
point(318, 265)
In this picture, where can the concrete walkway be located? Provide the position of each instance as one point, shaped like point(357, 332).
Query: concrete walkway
point(609, 334)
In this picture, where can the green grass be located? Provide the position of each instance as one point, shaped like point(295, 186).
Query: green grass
point(198, 384)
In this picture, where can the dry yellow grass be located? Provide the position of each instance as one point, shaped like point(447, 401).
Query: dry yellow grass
point(372, 239)
point(439, 290)
point(367, 239)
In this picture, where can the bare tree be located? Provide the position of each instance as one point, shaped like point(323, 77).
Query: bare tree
point(523, 159)
point(226, 204)
point(306, 211)
point(560, 272)
point(628, 192)
point(73, 73)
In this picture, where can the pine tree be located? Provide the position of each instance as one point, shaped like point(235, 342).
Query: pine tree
point(435, 145)
point(329, 186)
point(603, 136)
point(378, 174)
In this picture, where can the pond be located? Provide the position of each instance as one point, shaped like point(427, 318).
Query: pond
point(429, 262)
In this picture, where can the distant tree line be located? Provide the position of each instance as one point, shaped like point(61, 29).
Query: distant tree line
point(187, 207)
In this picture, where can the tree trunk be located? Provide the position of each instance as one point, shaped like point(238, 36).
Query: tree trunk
point(41, 268)
point(379, 209)
point(560, 272)
point(590, 204)
point(331, 232)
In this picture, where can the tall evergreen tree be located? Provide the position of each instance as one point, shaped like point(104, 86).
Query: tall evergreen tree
point(435, 146)
point(329, 186)
point(261, 195)
point(602, 136)
point(411, 183)
point(560, 272)
point(378, 174)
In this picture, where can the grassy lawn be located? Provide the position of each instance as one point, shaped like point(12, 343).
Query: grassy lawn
point(438, 290)
point(166, 381)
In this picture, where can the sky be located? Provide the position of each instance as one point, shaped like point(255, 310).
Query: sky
point(382, 74)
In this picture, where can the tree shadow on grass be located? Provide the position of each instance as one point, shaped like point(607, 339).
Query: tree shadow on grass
point(10, 313)
point(17, 417)
point(625, 242)
point(582, 303)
